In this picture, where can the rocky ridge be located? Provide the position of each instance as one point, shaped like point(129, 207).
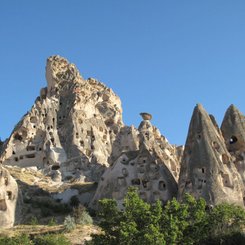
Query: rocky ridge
point(74, 133)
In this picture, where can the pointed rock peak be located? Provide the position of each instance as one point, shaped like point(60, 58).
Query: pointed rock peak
point(59, 71)
point(206, 169)
point(233, 129)
point(201, 123)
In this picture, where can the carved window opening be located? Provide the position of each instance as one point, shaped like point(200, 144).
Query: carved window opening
point(225, 159)
point(215, 145)
point(30, 148)
point(121, 181)
point(162, 185)
point(16, 159)
point(125, 172)
point(203, 170)
point(3, 206)
point(13, 152)
point(33, 120)
point(31, 156)
point(124, 161)
point(9, 195)
point(233, 139)
point(145, 183)
point(18, 137)
point(55, 167)
point(135, 181)
point(142, 169)
point(6, 181)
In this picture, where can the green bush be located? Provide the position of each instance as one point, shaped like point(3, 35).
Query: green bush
point(34, 220)
point(186, 222)
point(69, 223)
point(51, 239)
point(18, 240)
point(81, 216)
point(52, 222)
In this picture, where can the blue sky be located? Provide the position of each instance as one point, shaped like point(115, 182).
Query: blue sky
point(159, 56)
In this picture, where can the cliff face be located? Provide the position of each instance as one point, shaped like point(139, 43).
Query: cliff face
point(71, 126)
point(74, 131)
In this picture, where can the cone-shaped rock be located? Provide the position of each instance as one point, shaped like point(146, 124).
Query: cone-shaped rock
point(233, 130)
point(207, 169)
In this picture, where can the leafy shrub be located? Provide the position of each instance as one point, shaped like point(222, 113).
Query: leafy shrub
point(18, 240)
point(51, 239)
point(81, 216)
point(34, 220)
point(69, 223)
point(186, 222)
point(52, 222)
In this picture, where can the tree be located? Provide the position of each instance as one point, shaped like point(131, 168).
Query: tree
point(186, 222)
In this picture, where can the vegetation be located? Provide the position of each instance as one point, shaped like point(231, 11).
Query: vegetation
point(81, 216)
point(69, 223)
point(49, 239)
point(189, 222)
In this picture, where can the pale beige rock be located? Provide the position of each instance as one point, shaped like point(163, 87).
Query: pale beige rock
point(72, 124)
point(8, 198)
point(144, 159)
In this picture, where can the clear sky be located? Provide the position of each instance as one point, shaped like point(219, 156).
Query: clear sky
point(159, 56)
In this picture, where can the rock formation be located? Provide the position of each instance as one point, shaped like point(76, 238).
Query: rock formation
point(145, 160)
point(8, 198)
point(233, 130)
point(74, 133)
point(72, 125)
point(207, 168)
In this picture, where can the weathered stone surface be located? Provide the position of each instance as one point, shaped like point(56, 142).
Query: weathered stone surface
point(72, 124)
point(207, 169)
point(233, 130)
point(8, 198)
point(147, 161)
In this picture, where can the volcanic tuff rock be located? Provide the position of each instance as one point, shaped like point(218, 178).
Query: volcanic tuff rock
point(8, 198)
point(71, 126)
point(147, 161)
point(207, 168)
point(233, 130)
point(74, 133)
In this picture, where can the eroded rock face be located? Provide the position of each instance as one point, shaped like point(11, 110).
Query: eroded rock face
point(8, 198)
point(207, 168)
point(145, 160)
point(233, 130)
point(72, 125)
